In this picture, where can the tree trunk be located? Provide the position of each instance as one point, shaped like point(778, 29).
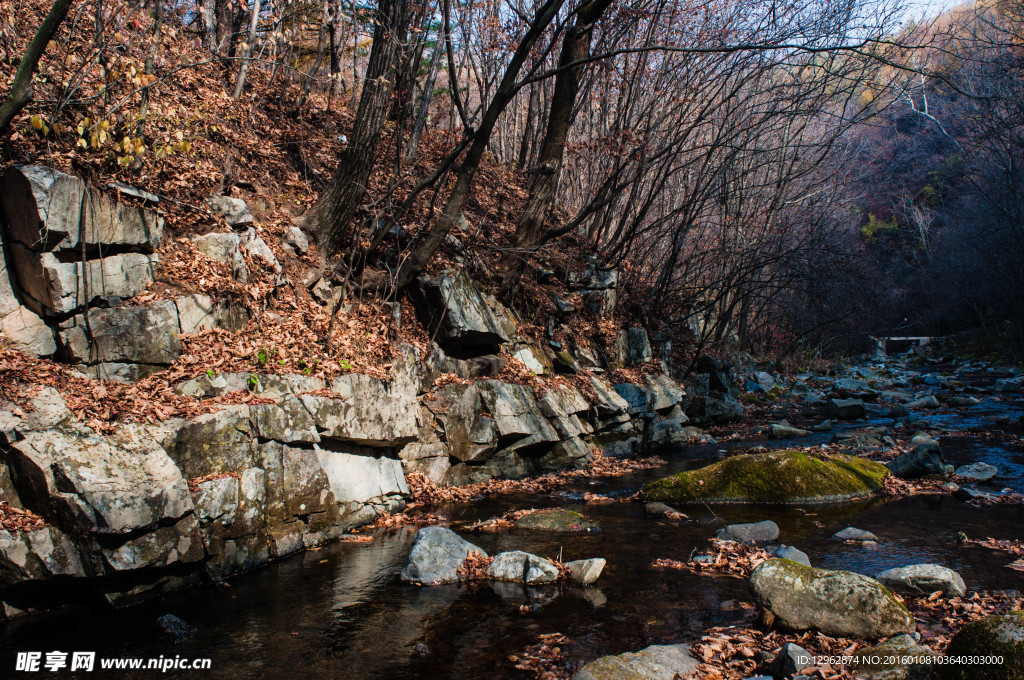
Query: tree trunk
point(507, 89)
point(544, 181)
point(21, 90)
point(329, 220)
point(250, 42)
point(428, 95)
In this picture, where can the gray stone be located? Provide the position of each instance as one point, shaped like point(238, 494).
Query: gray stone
point(296, 239)
point(28, 333)
point(145, 335)
point(555, 519)
point(638, 398)
point(60, 287)
point(37, 555)
point(924, 459)
point(212, 443)
point(600, 303)
point(457, 316)
point(586, 572)
point(854, 534)
point(515, 413)
point(46, 209)
point(788, 552)
point(978, 472)
point(779, 431)
point(925, 402)
point(366, 411)
point(254, 245)
point(665, 393)
point(632, 346)
point(790, 660)
point(224, 247)
point(898, 658)
point(844, 409)
point(365, 480)
point(534, 359)
point(437, 555)
point(235, 211)
point(156, 549)
point(563, 405)
point(520, 567)
point(657, 662)
point(609, 402)
point(836, 603)
point(923, 579)
point(105, 485)
point(754, 532)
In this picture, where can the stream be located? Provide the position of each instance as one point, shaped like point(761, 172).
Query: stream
point(341, 612)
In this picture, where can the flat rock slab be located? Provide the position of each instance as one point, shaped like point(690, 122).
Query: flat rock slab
point(854, 534)
point(555, 519)
point(657, 662)
point(977, 472)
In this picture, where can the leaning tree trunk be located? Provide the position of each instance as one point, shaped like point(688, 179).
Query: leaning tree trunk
point(21, 90)
point(329, 220)
point(544, 182)
point(249, 45)
point(507, 89)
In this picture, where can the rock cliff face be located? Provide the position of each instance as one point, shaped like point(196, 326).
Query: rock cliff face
point(159, 506)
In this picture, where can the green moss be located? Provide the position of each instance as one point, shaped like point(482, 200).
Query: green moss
point(555, 519)
point(775, 477)
point(991, 636)
point(751, 399)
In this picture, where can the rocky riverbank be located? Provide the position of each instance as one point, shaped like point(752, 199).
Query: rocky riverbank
point(212, 472)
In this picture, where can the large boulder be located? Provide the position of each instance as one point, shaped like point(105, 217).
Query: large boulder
point(998, 639)
point(458, 317)
point(836, 603)
point(774, 477)
point(88, 483)
point(437, 555)
point(657, 662)
point(923, 579)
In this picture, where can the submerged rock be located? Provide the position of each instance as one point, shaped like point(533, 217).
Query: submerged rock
point(923, 579)
point(754, 532)
point(657, 662)
point(854, 534)
point(836, 603)
point(555, 519)
point(775, 477)
point(780, 431)
point(993, 636)
point(437, 555)
point(977, 472)
point(177, 628)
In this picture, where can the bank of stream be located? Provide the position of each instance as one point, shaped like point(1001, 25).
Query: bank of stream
point(341, 612)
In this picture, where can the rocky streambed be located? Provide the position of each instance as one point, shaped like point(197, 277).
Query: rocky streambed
point(345, 610)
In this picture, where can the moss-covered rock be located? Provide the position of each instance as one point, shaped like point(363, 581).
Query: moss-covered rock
point(775, 477)
point(657, 662)
point(555, 519)
point(898, 658)
point(836, 603)
point(998, 636)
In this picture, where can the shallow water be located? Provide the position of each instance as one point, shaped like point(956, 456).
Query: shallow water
point(341, 612)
